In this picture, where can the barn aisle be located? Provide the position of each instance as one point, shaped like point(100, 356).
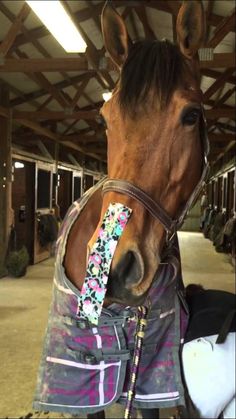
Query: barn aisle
point(201, 264)
point(24, 307)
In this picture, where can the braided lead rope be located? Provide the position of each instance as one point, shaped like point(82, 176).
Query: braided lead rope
point(139, 336)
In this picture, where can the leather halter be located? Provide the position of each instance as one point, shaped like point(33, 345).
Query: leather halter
point(153, 207)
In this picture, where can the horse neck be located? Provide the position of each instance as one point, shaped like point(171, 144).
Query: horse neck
point(75, 260)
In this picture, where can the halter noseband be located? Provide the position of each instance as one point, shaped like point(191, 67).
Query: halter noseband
point(153, 207)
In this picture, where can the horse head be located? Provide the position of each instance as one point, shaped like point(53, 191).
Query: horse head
point(153, 126)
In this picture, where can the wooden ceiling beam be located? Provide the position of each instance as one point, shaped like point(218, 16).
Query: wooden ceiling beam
point(226, 96)
point(221, 138)
point(133, 24)
point(32, 34)
point(55, 137)
point(14, 29)
point(217, 84)
point(77, 64)
point(94, 154)
point(55, 115)
point(42, 31)
point(67, 130)
point(43, 82)
point(79, 92)
point(83, 138)
point(87, 13)
point(226, 126)
point(216, 74)
point(142, 15)
point(39, 93)
point(209, 11)
point(94, 16)
point(225, 150)
point(92, 54)
point(45, 103)
point(220, 113)
point(38, 128)
point(220, 60)
point(224, 27)
point(14, 90)
point(32, 65)
point(56, 94)
point(40, 78)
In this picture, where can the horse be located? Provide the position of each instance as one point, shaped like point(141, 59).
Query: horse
point(157, 164)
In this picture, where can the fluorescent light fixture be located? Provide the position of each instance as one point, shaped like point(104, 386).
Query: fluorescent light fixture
point(19, 165)
point(106, 96)
point(55, 18)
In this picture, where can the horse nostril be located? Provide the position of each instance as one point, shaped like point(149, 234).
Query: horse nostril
point(129, 268)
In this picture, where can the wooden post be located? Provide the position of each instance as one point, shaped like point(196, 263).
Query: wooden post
point(6, 215)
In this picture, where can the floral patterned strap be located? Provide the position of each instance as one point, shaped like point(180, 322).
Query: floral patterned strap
point(95, 284)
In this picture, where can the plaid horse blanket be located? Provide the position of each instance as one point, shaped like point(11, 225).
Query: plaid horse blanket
point(85, 368)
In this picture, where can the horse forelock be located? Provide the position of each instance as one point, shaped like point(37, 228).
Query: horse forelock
point(156, 66)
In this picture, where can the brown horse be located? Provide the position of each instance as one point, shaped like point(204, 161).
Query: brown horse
point(154, 142)
point(156, 165)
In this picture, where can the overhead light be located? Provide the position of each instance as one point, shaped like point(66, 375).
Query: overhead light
point(55, 18)
point(19, 165)
point(106, 96)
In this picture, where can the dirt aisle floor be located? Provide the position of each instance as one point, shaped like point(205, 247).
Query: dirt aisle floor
point(24, 305)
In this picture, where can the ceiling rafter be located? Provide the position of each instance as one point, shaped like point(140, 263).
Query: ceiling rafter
point(14, 29)
point(43, 82)
point(45, 103)
point(79, 92)
point(92, 53)
point(133, 24)
point(141, 13)
point(220, 60)
point(87, 13)
point(226, 96)
point(215, 74)
point(223, 28)
point(58, 95)
point(54, 115)
point(39, 93)
point(220, 113)
point(47, 133)
point(225, 150)
point(226, 126)
point(209, 11)
point(94, 16)
point(218, 83)
point(221, 138)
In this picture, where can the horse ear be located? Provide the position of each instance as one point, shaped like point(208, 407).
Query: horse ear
point(190, 27)
point(115, 35)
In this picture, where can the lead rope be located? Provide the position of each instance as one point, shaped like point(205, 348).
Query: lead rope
point(139, 336)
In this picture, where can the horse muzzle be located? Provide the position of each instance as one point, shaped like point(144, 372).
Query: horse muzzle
point(124, 278)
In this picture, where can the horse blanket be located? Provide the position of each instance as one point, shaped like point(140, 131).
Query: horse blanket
point(85, 368)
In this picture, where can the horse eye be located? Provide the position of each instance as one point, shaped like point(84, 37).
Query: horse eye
point(190, 116)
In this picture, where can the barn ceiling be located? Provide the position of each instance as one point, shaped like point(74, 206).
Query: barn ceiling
point(55, 96)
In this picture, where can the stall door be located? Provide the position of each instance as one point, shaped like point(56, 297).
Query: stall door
point(64, 191)
point(23, 202)
point(88, 182)
point(77, 190)
point(43, 209)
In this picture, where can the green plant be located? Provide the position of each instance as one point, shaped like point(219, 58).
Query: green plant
point(17, 262)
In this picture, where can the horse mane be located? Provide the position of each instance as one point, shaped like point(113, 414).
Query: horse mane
point(150, 65)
